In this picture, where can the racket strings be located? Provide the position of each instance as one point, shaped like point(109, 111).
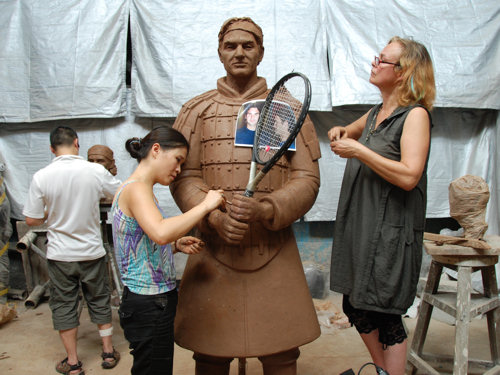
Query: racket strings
point(279, 120)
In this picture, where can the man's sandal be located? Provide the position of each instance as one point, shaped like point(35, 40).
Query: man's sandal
point(65, 368)
point(115, 356)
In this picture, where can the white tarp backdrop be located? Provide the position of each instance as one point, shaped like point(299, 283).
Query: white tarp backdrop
point(62, 59)
point(66, 61)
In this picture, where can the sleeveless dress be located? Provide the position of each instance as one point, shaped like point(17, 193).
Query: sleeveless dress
point(378, 234)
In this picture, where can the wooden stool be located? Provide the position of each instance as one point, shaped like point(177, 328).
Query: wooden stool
point(462, 305)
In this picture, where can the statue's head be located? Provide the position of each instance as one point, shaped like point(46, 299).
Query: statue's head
point(241, 46)
point(102, 155)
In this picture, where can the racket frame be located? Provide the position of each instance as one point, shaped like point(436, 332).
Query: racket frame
point(254, 179)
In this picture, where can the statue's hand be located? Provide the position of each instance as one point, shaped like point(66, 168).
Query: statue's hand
point(250, 210)
point(229, 229)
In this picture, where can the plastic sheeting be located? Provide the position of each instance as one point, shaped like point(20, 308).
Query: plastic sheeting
point(62, 59)
point(462, 38)
point(67, 59)
point(463, 142)
point(175, 47)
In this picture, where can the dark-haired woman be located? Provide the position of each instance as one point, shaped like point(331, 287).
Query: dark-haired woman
point(145, 240)
point(380, 220)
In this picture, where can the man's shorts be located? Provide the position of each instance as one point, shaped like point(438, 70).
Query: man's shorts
point(390, 327)
point(65, 280)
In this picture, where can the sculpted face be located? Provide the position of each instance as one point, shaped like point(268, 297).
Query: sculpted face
point(102, 155)
point(100, 160)
point(240, 54)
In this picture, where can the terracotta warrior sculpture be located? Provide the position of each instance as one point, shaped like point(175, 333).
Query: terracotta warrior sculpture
point(246, 295)
point(103, 155)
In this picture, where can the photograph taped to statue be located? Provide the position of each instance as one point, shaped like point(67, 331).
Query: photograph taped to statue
point(387, 151)
point(142, 234)
point(5, 233)
point(250, 246)
point(65, 195)
point(102, 155)
point(246, 122)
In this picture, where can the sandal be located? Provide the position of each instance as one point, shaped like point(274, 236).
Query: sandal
point(65, 368)
point(115, 356)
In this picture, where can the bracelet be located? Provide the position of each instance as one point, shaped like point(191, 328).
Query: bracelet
point(176, 249)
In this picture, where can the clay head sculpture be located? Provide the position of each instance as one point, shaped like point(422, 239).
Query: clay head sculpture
point(241, 49)
point(245, 24)
point(469, 197)
point(103, 155)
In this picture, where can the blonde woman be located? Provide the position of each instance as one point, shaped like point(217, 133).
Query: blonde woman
point(378, 233)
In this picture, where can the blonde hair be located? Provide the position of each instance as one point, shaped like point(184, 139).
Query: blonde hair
point(415, 66)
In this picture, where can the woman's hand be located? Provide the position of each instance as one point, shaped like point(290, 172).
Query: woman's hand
point(189, 245)
point(346, 148)
point(336, 133)
point(214, 199)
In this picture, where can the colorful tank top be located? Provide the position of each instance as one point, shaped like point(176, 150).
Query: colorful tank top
point(145, 267)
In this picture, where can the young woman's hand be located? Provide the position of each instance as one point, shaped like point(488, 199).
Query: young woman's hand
point(214, 199)
point(189, 245)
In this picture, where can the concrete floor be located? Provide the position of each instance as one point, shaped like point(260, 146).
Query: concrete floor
point(29, 345)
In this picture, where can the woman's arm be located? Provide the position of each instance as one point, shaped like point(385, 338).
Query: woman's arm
point(415, 141)
point(137, 200)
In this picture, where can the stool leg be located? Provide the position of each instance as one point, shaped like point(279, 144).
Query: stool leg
point(424, 315)
point(493, 316)
point(462, 320)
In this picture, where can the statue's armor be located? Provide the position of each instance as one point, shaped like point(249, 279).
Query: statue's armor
point(236, 294)
point(227, 167)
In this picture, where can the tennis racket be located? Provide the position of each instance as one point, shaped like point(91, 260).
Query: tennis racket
point(280, 120)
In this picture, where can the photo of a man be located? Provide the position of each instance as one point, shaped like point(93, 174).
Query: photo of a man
point(248, 117)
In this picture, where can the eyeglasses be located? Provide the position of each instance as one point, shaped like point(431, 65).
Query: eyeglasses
point(378, 62)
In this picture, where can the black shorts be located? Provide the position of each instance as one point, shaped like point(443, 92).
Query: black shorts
point(390, 327)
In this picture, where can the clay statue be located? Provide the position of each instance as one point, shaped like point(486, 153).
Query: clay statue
point(246, 295)
point(103, 155)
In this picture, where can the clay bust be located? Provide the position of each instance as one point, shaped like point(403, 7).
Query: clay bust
point(246, 295)
point(468, 196)
point(103, 155)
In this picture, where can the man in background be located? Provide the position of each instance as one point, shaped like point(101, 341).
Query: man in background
point(66, 195)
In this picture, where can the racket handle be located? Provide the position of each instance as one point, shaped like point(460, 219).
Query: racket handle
point(248, 193)
point(253, 184)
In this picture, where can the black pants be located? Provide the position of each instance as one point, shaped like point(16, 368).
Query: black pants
point(148, 325)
